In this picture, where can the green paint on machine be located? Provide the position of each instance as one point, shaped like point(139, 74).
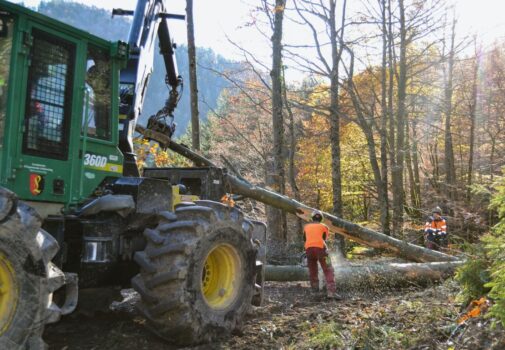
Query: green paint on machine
point(57, 111)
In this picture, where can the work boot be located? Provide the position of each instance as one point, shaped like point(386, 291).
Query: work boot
point(333, 296)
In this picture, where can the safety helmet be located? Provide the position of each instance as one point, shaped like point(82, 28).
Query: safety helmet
point(317, 215)
point(437, 210)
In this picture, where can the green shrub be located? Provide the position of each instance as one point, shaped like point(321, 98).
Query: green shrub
point(490, 266)
point(484, 273)
point(495, 247)
point(472, 277)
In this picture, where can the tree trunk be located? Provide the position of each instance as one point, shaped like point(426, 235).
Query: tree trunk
point(473, 117)
point(392, 121)
point(336, 53)
point(491, 157)
point(414, 197)
point(397, 171)
point(450, 170)
point(337, 225)
point(371, 276)
point(415, 159)
point(382, 190)
point(292, 152)
point(433, 149)
point(334, 115)
point(193, 86)
point(276, 218)
point(410, 171)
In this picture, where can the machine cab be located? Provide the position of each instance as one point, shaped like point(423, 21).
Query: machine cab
point(58, 108)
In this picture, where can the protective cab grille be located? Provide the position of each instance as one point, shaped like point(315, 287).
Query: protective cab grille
point(48, 105)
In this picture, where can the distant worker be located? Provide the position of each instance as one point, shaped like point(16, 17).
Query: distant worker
point(315, 234)
point(435, 230)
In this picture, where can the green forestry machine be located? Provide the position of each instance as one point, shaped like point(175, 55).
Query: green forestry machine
point(75, 213)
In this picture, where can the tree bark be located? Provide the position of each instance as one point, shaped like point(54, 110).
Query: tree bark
point(193, 86)
point(276, 218)
point(371, 276)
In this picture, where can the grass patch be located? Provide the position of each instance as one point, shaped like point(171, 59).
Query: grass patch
point(379, 337)
point(325, 336)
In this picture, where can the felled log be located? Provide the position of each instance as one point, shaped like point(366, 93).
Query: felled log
point(336, 225)
point(379, 275)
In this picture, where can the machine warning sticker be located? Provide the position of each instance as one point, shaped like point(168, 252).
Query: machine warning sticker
point(36, 184)
point(40, 168)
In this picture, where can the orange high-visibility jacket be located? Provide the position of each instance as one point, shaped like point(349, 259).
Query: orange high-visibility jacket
point(315, 235)
point(433, 224)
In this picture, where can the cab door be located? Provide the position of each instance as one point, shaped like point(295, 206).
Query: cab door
point(46, 150)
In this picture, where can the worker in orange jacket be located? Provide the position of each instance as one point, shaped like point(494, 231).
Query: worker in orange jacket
point(435, 230)
point(315, 234)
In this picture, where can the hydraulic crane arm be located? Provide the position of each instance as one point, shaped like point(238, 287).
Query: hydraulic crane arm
point(150, 22)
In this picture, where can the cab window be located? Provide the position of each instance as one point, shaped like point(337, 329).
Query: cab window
point(97, 116)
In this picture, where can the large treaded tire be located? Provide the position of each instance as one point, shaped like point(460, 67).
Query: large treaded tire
point(27, 251)
point(170, 278)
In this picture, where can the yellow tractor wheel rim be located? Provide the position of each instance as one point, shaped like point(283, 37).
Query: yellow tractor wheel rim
point(8, 293)
point(221, 276)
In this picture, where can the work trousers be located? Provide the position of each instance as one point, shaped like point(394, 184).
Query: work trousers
point(435, 240)
point(313, 256)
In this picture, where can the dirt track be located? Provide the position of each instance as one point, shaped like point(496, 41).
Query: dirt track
point(292, 318)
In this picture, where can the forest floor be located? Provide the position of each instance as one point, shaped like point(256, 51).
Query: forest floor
point(294, 318)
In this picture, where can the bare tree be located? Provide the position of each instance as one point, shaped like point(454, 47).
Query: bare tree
point(450, 170)
point(276, 218)
point(195, 121)
point(326, 12)
point(397, 171)
point(473, 119)
point(382, 189)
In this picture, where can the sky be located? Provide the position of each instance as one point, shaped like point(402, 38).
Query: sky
point(213, 18)
point(218, 20)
